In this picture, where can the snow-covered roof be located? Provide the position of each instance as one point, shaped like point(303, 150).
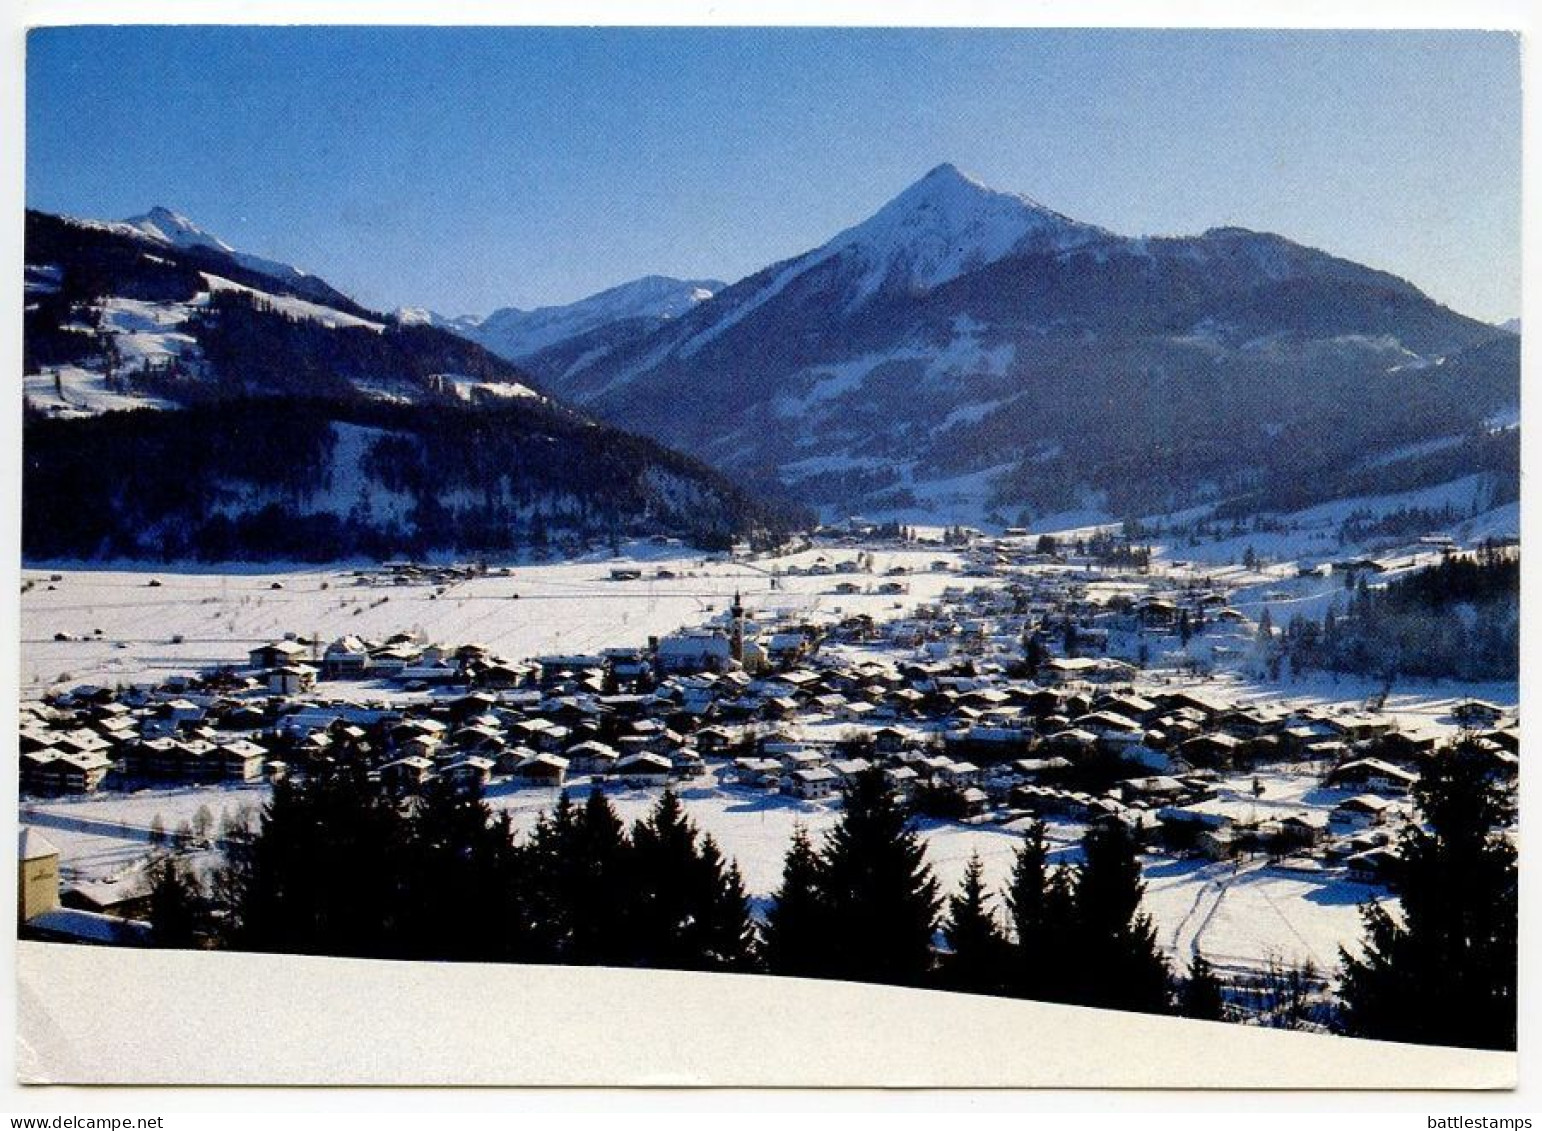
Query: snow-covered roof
point(88, 926)
point(33, 845)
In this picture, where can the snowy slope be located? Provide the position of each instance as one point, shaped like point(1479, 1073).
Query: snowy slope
point(516, 334)
point(173, 228)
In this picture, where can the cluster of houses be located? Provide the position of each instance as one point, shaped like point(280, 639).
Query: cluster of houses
point(990, 703)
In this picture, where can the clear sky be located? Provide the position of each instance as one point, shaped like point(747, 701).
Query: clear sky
point(469, 168)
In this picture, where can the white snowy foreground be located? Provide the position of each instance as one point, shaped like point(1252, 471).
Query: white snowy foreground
point(1239, 917)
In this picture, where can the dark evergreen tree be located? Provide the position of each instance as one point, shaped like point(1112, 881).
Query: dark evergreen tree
point(179, 912)
point(976, 960)
point(879, 890)
point(548, 861)
point(689, 911)
point(1443, 971)
point(1041, 908)
point(599, 885)
point(452, 881)
point(1116, 962)
point(798, 924)
point(726, 927)
point(1201, 997)
point(324, 871)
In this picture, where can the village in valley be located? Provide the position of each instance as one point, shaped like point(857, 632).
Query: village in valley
point(1078, 678)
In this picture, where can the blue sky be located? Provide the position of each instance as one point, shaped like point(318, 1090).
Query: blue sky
point(465, 169)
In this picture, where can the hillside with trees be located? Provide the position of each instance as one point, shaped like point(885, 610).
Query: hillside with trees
point(1459, 619)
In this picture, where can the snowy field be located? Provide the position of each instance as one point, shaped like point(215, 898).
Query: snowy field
point(1240, 917)
point(567, 607)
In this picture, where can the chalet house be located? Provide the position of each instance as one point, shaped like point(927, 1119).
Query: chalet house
point(483, 735)
point(1358, 728)
point(1210, 750)
point(1206, 709)
point(1373, 774)
point(68, 773)
point(1157, 790)
point(686, 762)
point(960, 775)
point(1156, 613)
point(796, 758)
point(788, 647)
point(1110, 726)
point(974, 801)
point(389, 661)
point(1360, 812)
point(689, 652)
point(432, 671)
point(855, 711)
point(498, 675)
point(291, 679)
point(849, 768)
point(992, 742)
point(472, 771)
point(712, 740)
point(37, 769)
point(1134, 707)
point(644, 769)
point(1071, 741)
point(511, 756)
point(278, 654)
point(1248, 722)
point(241, 761)
point(180, 712)
point(1303, 830)
point(811, 784)
point(1477, 712)
point(1372, 866)
point(1063, 670)
point(346, 658)
point(1305, 738)
point(757, 771)
point(901, 779)
point(1034, 767)
point(592, 757)
point(408, 774)
point(420, 745)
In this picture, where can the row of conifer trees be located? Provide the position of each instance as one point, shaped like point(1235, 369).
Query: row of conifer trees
point(337, 866)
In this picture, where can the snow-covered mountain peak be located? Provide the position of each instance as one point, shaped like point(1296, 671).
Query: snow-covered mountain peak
point(949, 223)
point(168, 226)
point(514, 333)
point(161, 223)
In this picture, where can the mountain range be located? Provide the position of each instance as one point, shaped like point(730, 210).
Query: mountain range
point(969, 353)
point(638, 306)
point(962, 355)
